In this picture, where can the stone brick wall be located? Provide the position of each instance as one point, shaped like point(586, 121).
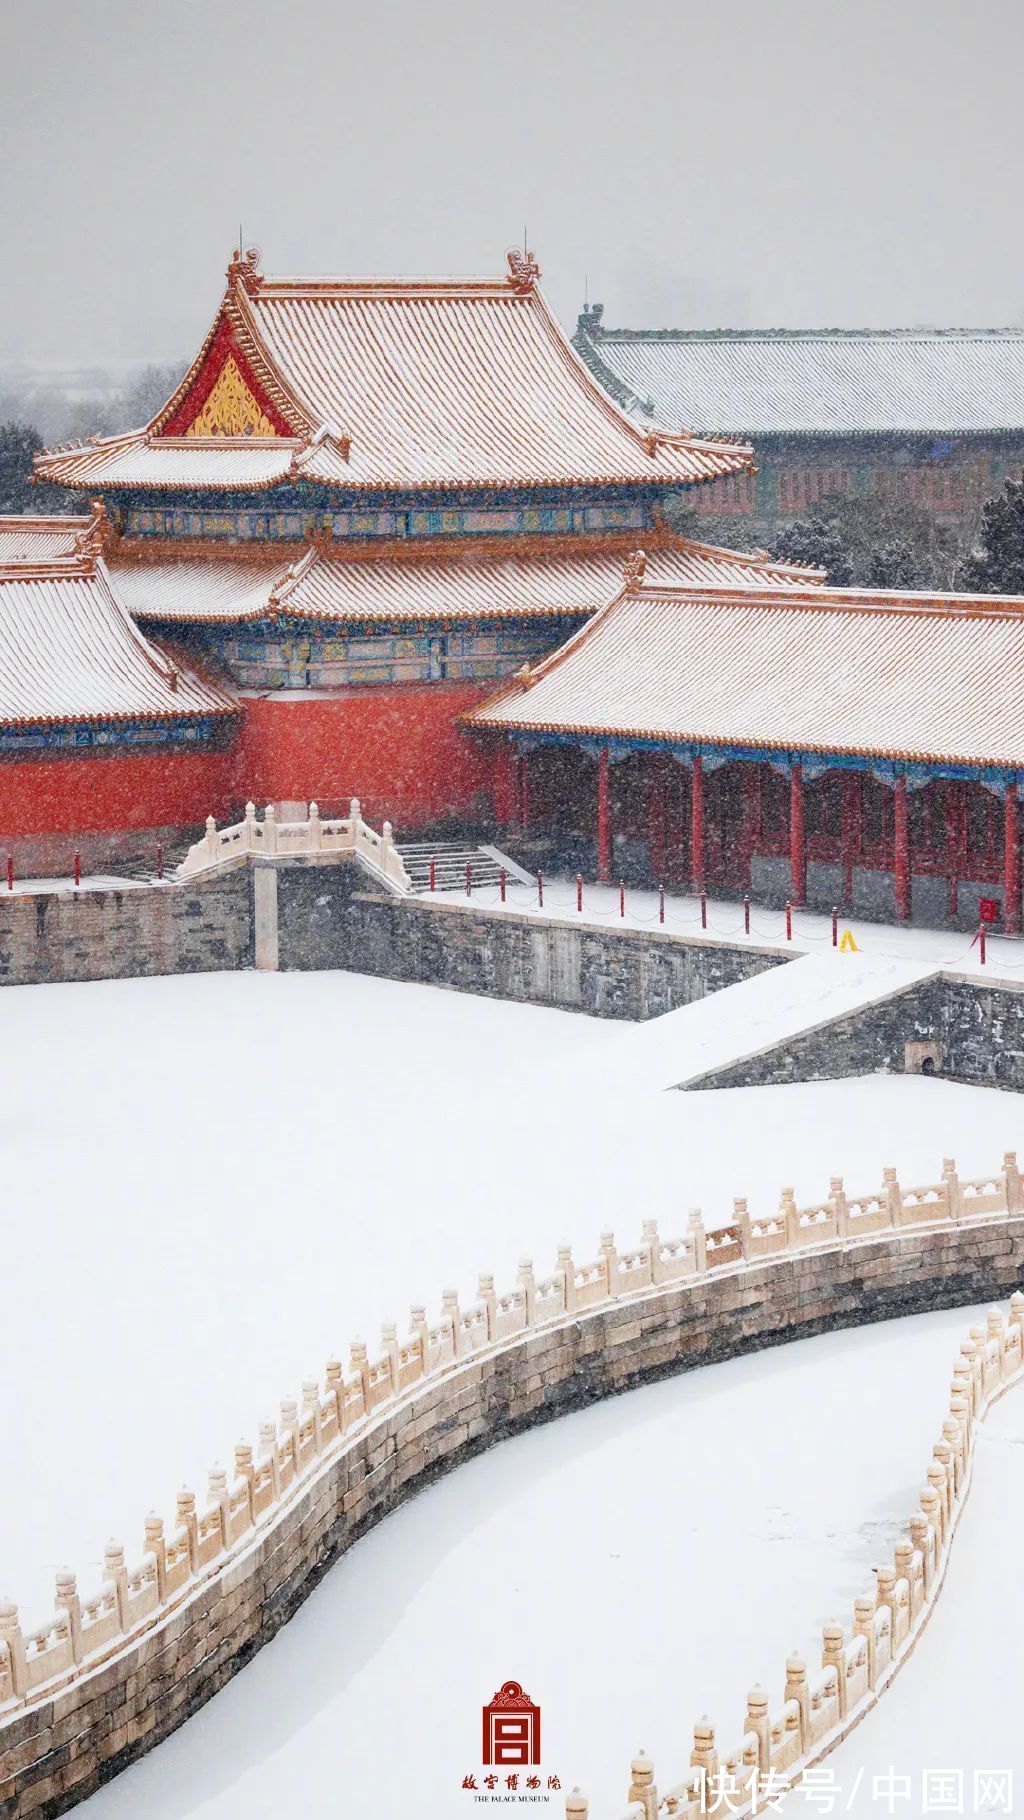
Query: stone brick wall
point(978, 1030)
point(325, 919)
point(118, 934)
point(57, 1750)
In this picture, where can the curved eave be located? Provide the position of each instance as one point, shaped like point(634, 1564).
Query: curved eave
point(110, 720)
point(478, 722)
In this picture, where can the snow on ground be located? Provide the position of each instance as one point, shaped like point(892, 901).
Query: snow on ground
point(212, 1184)
point(955, 1706)
point(633, 1566)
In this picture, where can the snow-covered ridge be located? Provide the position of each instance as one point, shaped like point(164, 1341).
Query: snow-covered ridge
point(38, 1662)
point(857, 1666)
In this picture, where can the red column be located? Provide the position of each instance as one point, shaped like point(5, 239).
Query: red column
point(901, 854)
point(524, 790)
point(847, 832)
point(951, 796)
point(797, 842)
point(751, 775)
point(697, 823)
point(604, 819)
point(1011, 863)
point(505, 785)
point(656, 795)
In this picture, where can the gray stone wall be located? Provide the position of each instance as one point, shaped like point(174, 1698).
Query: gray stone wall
point(202, 927)
point(979, 1030)
point(61, 1749)
point(326, 920)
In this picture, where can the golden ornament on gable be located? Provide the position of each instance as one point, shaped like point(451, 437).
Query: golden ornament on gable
point(231, 409)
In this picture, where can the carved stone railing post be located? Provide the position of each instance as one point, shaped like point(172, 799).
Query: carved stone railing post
point(642, 1789)
point(245, 1469)
point(893, 1197)
point(653, 1243)
point(334, 1389)
point(212, 839)
point(389, 1344)
point(316, 834)
point(486, 1295)
point(837, 1195)
point(704, 1757)
point(270, 1454)
point(885, 1593)
point(355, 822)
point(115, 1572)
point(1011, 1178)
point(155, 1545)
point(833, 1655)
point(250, 839)
point(420, 1329)
point(610, 1260)
point(359, 1365)
point(790, 1213)
point(11, 1633)
point(311, 1405)
point(952, 1181)
point(741, 1215)
point(450, 1314)
point(270, 829)
point(698, 1239)
point(185, 1518)
point(796, 1689)
point(528, 1284)
point(918, 1527)
point(757, 1722)
point(864, 1626)
point(577, 1807)
point(68, 1601)
point(567, 1271)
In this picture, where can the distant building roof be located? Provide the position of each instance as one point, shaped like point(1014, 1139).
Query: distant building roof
point(904, 676)
point(27, 539)
point(471, 583)
point(390, 384)
point(69, 651)
point(763, 382)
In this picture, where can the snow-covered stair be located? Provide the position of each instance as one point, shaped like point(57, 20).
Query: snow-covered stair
point(450, 859)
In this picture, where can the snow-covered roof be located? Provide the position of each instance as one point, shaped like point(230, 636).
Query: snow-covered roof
point(390, 383)
point(468, 583)
point(27, 538)
point(756, 382)
point(70, 652)
point(826, 670)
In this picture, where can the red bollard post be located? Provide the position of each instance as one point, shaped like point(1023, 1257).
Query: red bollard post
point(789, 921)
point(703, 910)
point(981, 943)
point(835, 927)
point(746, 915)
point(622, 898)
point(501, 881)
point(10, 872)
point(78, 868)
point(661, 903)
point(469, 879)
point(540, 891)
point(159, 862)
point(431, 875)
point(579, 892)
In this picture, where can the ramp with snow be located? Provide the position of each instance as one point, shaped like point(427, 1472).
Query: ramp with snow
point(754, 1029)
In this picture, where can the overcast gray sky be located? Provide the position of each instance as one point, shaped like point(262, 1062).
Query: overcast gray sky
point(759, 162)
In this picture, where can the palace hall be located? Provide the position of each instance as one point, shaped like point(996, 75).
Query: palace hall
point(392, 539)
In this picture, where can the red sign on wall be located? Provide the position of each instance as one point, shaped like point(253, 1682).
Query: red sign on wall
point(511, 1727)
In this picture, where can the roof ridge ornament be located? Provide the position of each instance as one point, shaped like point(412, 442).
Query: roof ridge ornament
point(243, 269)
point(636, 564)
point(523, 271)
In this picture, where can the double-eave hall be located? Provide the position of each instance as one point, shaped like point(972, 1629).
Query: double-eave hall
point(818, 745)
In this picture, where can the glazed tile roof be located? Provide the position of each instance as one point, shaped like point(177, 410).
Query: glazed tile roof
point(69, 652)
point(400, 384)
point(464, 584)
point(836, 382)
point(900, 676)
point(27, 539)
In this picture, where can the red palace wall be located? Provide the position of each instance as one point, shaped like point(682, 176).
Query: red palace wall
point(112, 790)
point(397, 748)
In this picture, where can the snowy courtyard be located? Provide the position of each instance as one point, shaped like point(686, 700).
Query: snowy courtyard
point(220, 1181)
